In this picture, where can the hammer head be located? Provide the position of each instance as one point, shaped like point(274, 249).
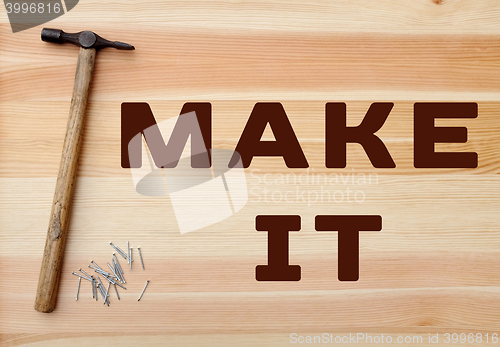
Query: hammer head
point(85, 39)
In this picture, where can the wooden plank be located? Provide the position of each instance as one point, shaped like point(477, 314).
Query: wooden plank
point(42, 130)
point(107, 207)
point(429, 17)
point(213, 65)
point(433, 267)
point(429, 250)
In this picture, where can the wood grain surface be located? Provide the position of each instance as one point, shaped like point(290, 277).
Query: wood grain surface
point(432, 269)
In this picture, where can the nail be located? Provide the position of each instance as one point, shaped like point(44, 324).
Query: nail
point(94, 289)
point(100, 281)
point(103, 294)
point(120, 269)
point(128, 252)
point(118, 284)
point(93, 267)
point(116, 290)
point(119, 266)
point(112, 281)
point(118, 249)
point(143, 290)
point(122, 280)
point(99, 271)
point(107, 292)
point(88, 279)
point(130, 259)
point(96, 265)
point(78, 290)
point(100, 291)
point(115, 270)
point(84, 272)
point(140, 255)
point(104, 273)
point(111, 243)
point(122, 252)
point(112, 270)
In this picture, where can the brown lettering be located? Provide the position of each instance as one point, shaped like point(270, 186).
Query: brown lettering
point(137, 118)
point(278, 268)
point(426, 135)
point(338, 134)
point(348, 228)
point(286, 144)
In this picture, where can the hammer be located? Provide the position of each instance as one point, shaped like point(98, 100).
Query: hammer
point(89, 43)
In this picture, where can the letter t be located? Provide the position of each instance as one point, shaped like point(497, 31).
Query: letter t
point(348, 244)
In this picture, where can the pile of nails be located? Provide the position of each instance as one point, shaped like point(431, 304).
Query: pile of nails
point(115, 277)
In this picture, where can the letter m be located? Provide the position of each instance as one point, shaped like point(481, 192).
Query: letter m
point(195, 120)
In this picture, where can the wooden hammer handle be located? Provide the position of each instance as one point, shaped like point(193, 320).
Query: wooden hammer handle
point(59, 218)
